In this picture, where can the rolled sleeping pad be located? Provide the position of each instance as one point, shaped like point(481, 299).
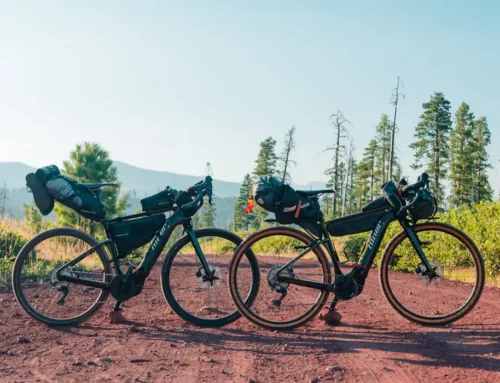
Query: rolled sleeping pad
point(47, 172)
point(43, 200)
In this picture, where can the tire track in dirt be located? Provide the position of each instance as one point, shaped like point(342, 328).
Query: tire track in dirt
point(371, 338)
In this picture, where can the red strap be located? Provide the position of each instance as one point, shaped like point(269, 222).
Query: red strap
point(358, 266)
point(297, 212)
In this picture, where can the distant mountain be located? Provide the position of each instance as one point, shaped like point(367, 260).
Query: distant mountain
point(145, 182)
point(13, 174)
point(138, 182)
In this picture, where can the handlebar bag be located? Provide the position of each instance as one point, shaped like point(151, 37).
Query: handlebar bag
point(424, 208)
point(159, 201)
point(129, 235)
point(78, 198)
point(355, 223)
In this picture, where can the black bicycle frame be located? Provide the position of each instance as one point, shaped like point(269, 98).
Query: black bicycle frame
point(366, 261)
point(149, 260)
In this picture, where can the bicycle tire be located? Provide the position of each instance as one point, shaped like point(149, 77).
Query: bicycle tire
point(26, 250)
point(167, 289)
point(243, 307)
point(439, 320)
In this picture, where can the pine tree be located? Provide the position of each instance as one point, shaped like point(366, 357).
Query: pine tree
point(462, 157)
point(33, 218)
point(90, 163)
point(285, 160)
point(3, 200)
point(266, 159)
point(383, 137)
point(432, 145)
point(208, 212)
point(241, 221)
point(265, 166)
point(348, 185)
point(339, 123)
point(482, 189)
point(352, 206)
point(367, 172)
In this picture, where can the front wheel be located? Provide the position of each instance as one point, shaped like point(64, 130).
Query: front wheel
point(184, 281)
point(448, 295)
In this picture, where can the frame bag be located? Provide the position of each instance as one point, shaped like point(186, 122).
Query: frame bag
point(355, 223)
point(129, 235)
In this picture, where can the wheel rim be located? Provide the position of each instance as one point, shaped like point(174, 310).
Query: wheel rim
point(54, 299)
point(194, 294)
point(446, 296)
point(270, 308)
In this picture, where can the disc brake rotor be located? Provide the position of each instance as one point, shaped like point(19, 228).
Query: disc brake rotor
point(207, 284)
point(425, 278)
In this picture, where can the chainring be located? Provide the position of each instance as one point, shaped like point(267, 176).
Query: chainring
point(122, 288)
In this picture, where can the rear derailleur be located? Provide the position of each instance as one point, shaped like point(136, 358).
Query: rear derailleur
point(276, 285)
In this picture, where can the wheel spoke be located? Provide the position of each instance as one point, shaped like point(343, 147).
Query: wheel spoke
point(442, 298)
point(37, 286)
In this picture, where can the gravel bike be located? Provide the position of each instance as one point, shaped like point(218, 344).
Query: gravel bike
point(431, 273)
point(63, 276)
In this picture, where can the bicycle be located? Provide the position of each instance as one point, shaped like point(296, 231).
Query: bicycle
point(431, 273)
point(58, 288)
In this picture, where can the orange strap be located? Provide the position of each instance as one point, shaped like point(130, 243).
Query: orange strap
point(297, 212)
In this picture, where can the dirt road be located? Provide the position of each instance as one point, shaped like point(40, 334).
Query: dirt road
point(374, 344)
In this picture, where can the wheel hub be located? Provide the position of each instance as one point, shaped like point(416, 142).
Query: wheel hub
point(272, 277)
point(426, 278)
point(210, 283)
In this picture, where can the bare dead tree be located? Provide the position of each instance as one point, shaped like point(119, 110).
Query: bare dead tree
point(394, 101)
point(284, 158)
point(348, 178)
point(339, 123)
point(3, 199)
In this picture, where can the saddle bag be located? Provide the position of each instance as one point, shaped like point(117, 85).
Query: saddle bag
point(282, 200)
point(78, 198)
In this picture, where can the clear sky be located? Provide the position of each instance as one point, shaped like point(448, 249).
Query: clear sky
point(170, 85)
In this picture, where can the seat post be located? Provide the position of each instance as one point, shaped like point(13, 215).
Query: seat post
point(98, 195)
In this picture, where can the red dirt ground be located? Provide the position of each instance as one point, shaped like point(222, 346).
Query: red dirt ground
point(373, 344)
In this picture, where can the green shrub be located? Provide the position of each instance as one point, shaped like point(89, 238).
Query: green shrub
point(480, 222)
point(10, 245)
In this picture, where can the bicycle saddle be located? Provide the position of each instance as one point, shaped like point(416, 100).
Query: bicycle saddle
point(313, 193)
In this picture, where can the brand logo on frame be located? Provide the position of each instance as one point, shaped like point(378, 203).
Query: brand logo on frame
point(374, 236)
point(157, 239)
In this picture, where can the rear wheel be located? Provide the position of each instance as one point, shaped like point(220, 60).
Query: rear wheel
point(279, 305)
point(36, 285)
point(442, 299)
point(186, 288)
